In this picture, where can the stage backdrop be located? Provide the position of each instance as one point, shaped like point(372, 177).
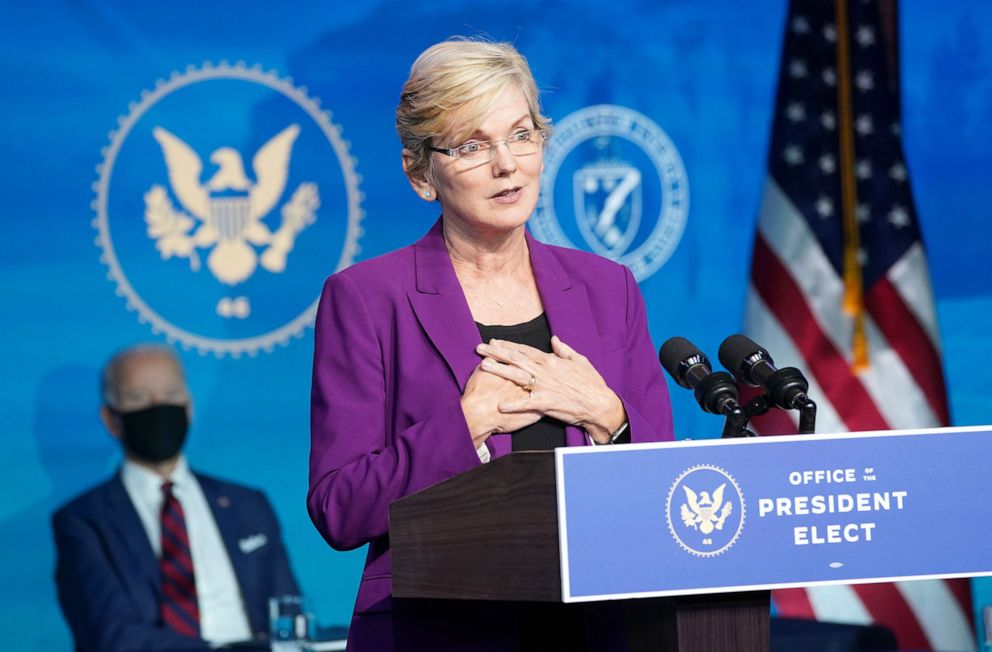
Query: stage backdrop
point(128, 127)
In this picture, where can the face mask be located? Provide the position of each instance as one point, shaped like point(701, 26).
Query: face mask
point(156, 433)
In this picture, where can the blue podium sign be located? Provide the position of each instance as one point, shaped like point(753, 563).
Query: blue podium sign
point(733, 515)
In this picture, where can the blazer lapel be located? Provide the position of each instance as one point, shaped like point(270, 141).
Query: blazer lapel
point(226, 517)
point(569, 314)
point(135, 548)
point(441, 308)
point(227, 525)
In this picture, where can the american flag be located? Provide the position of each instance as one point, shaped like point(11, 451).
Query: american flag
point(839, 279)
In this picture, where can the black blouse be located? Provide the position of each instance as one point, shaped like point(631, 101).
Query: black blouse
point(547, 433)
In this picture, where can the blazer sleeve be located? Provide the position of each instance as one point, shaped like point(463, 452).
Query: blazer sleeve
point(94, 601)
point(644, 392)
point(356, 468)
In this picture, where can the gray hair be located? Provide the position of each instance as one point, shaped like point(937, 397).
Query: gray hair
point(110, 374)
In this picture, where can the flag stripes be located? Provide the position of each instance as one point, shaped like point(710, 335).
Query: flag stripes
point(839, 282)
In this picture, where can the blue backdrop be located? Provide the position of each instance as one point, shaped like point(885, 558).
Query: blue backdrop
point(85, 234)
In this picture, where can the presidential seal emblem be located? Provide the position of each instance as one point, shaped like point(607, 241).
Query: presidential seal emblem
point(615, 182)
point(705, 510)
point(218, 200)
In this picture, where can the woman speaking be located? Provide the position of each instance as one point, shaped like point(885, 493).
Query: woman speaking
point(471, 343)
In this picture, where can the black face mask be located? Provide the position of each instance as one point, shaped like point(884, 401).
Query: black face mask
point(156, 433)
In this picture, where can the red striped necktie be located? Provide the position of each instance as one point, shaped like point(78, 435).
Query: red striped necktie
point(179, 607)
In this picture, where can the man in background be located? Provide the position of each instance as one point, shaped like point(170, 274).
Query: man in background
point(160, 557)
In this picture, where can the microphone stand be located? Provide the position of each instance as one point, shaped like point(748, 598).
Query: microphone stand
point(736, 424)
point(717, 393)
point(760, 405)
point(807, 417)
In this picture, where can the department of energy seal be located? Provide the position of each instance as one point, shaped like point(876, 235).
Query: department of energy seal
point(614, 180)
point(219, 199)
point(705, 510)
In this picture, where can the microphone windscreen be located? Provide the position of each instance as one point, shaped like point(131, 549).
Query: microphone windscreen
point(736, 349)
point(673, 352)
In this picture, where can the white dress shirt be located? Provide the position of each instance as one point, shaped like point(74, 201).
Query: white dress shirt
point(222, 613)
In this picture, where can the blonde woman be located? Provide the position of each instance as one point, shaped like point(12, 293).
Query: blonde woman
point(473, 342)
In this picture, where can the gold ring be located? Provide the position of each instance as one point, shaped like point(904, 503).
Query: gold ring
point(529, 387)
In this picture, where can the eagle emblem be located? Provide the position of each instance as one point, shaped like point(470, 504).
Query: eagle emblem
point(226, 213)
point(704, 512)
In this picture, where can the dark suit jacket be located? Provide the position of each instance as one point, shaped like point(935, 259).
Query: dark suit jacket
point(107, 574)
point(395, 345)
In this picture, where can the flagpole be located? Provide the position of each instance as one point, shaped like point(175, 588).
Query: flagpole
point(853, 287)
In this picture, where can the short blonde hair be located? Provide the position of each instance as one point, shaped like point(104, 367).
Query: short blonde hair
point(459, 76)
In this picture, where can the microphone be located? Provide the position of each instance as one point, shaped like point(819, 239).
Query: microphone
point(752, 365)
point(716, 392)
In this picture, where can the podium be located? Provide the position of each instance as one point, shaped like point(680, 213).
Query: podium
point(507, 513)
point(684, 539)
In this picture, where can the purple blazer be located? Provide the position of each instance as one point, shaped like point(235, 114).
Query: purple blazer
point(394, 346)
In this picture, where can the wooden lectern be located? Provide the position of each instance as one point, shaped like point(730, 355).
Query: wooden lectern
point(506, 512)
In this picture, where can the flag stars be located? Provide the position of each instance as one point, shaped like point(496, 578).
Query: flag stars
point(863, 213)
point(864, 125)
point(828, 164)
point(796, 112)
point(864, 80)
point(895, 129)
point(829, 77)
point(863, 169)
point(830, 33)
point(828, 120)
point(798, 69)
point(793, 155)
point(824, 206)
point(899, 217)
point(800, 25)
point(865, 36)
point(862, 256)
point(898, 172)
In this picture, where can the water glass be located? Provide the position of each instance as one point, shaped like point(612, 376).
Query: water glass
point(288, 621)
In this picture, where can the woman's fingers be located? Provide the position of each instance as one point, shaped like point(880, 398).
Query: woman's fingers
point(512, 359)
point(561, 384)
point(565, 352)
point(528, 404)
point(561, 349)
point(511, 352)
point(509, 372)
point(529, 351)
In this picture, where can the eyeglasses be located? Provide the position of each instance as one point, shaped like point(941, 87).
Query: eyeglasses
point(522, 143)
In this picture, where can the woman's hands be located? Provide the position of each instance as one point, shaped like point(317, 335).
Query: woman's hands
point(563, 385)
point(484, 393)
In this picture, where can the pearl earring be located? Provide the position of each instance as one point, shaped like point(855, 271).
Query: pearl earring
point(427, 194)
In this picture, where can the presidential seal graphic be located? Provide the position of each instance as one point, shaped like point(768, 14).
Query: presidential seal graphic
point(705, 510)
point(225, 197)
point(613, 183)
